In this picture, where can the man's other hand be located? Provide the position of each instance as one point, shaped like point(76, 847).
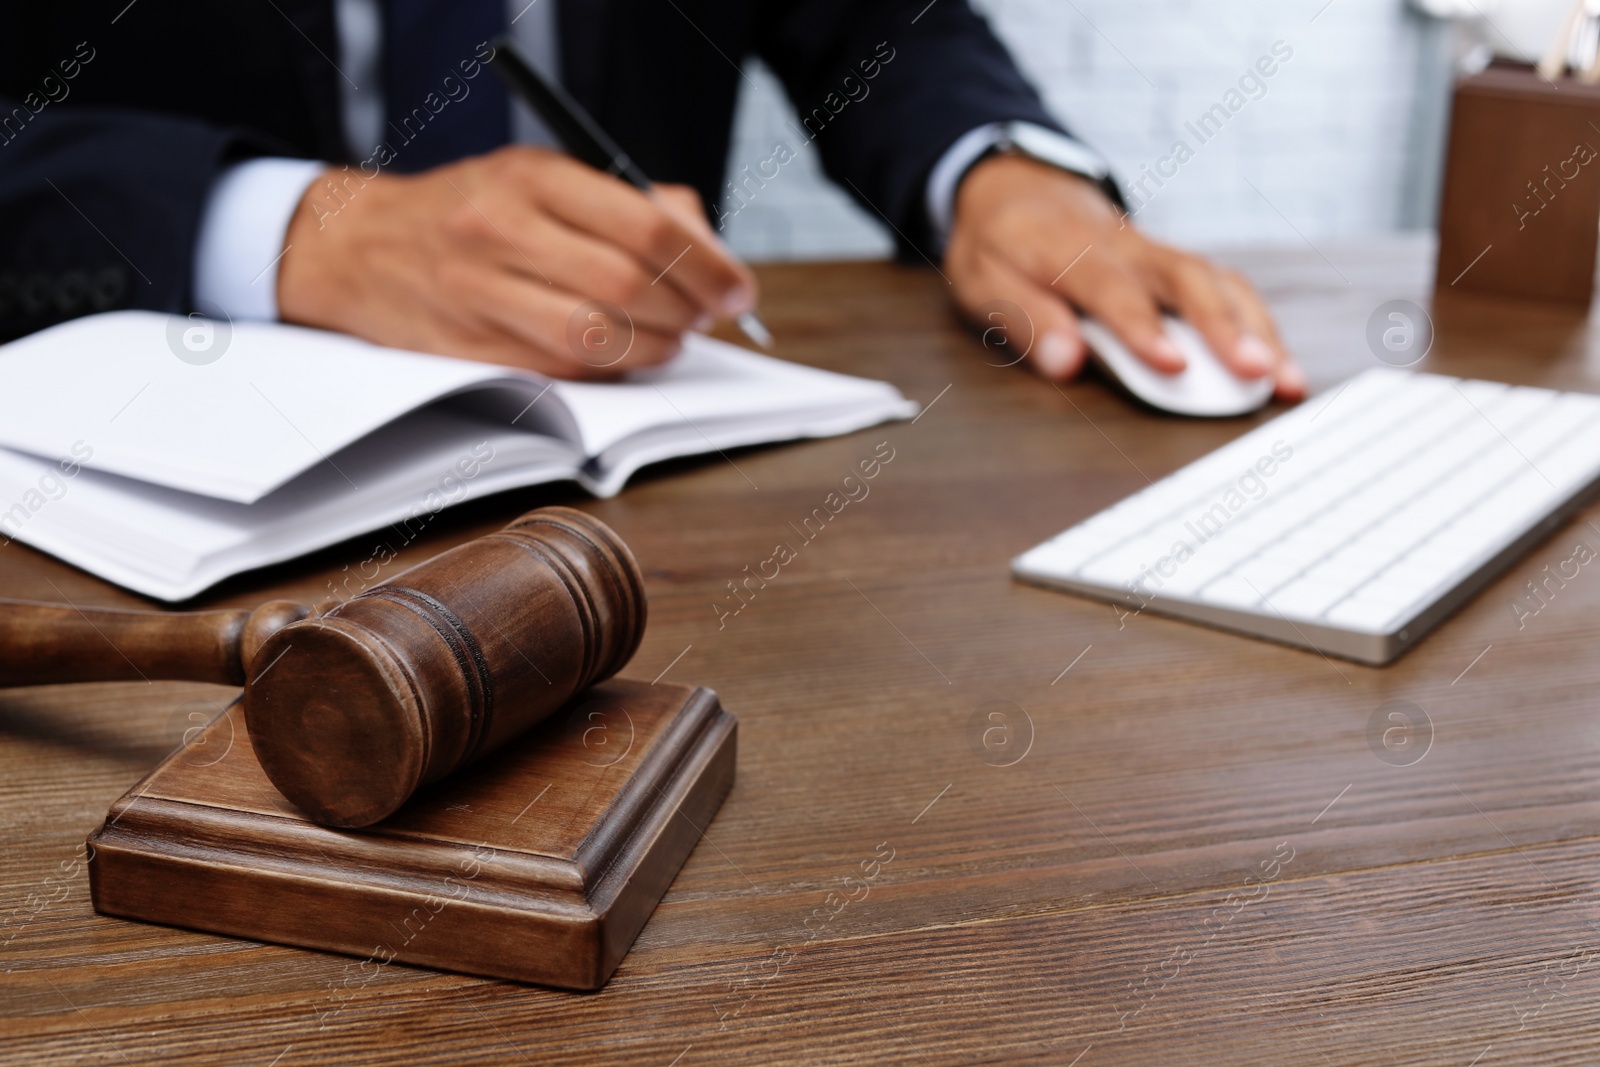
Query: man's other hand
point(492, 258)
point(1048, 241)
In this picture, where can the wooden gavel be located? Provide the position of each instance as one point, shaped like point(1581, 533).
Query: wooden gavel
point(351, 711)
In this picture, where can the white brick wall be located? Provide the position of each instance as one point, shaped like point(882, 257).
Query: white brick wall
point(799, 214)
point(1345, 141)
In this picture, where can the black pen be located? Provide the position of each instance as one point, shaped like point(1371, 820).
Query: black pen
point(582, 136)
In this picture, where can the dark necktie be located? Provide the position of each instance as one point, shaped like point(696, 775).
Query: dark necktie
point(435, 113)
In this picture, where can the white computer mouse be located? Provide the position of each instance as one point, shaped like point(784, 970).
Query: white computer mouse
point(1204, 388)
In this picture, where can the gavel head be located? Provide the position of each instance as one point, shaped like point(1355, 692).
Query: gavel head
point(351, 712)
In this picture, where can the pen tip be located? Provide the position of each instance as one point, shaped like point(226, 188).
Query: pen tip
point(751, 326)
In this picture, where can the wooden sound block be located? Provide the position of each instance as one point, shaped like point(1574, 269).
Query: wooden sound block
point(539, 864)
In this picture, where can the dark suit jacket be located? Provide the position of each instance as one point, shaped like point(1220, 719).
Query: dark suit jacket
point(116, 118)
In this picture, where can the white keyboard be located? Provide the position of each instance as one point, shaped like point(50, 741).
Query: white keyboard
point(1350, 525)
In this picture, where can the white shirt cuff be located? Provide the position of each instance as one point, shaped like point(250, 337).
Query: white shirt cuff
point(241, 235)
point(1065, 152)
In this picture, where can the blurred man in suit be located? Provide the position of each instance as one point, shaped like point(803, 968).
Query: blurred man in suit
point(356, 165)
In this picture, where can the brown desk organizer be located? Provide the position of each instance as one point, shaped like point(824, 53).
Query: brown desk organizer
point(539, 864)
point(376, 790)
point(1521, 201)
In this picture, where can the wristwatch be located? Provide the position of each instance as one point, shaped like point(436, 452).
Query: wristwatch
point(1014, 137)
point(1059, 151)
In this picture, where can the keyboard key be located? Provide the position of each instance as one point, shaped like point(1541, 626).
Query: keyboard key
point(1231, 592)
point(1393, 589)
point(1345, 571)
point(1267, 575)
point(1305, 599)
point(1373, 616)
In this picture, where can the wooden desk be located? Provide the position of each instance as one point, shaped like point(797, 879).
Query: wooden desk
point(1199, 858)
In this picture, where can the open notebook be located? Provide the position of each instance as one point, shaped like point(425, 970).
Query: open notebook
point(167, 476)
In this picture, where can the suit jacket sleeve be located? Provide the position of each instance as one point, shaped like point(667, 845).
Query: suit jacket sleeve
point(884, 87)
point(99, 209)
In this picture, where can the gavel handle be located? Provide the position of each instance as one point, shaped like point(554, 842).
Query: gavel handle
point(41, 644)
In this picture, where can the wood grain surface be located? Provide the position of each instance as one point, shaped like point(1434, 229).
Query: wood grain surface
point(1520, 202)
point(1173, 846)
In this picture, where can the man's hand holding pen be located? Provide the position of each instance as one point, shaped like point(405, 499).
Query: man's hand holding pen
point(491, 257)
